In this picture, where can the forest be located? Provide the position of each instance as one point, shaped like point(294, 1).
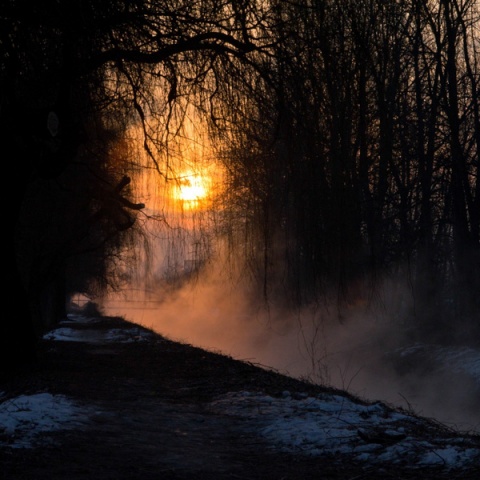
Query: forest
point(347, 133)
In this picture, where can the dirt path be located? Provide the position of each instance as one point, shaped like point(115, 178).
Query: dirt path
point(149, 418)
point(148, 440)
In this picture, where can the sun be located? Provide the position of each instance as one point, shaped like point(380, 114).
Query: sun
point(191, 189)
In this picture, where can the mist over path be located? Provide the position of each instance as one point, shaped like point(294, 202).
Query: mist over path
point(364, 356)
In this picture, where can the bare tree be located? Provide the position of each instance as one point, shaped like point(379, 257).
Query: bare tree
point(64, 68)
point(357, 155)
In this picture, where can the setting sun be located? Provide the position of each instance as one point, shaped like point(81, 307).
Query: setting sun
point(191, 189)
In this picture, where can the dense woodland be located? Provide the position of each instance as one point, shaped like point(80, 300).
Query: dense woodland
point(349, 132)
point(359, 150)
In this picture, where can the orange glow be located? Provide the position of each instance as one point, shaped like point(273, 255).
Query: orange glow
point(192, 189)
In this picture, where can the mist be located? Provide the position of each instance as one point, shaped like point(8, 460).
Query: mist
point(367, 353)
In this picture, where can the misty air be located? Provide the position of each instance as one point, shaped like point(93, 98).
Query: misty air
point(290, 186)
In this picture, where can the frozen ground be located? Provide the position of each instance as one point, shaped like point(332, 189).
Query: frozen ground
point(323, 425)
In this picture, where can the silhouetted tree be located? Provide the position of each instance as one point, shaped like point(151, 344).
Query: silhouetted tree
point(349, 132)
point(69, 69)
point(356, 156)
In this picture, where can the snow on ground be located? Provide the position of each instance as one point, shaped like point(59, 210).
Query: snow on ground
point(452, 359)
point(333, 424)
point(25, 418)
point(66, 333)
point(323, 425)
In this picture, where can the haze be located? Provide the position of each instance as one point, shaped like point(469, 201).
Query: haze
point(364, 354)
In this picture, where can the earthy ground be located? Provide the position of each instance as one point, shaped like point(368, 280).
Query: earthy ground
point(151, 420)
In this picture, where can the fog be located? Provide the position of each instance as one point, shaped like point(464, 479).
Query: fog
point(365, 354)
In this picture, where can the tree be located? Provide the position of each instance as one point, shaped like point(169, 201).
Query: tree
point(66, 68)
point(356, 157)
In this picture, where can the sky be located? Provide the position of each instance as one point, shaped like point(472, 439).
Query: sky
point(326, 424)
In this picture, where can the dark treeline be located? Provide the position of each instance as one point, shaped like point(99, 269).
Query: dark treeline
point(70, 208)
point(360, 153)
point(349, 131)
point(76, 77)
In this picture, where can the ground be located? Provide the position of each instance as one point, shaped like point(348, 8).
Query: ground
point(150, 419)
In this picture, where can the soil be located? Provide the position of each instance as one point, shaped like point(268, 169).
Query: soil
point(151, 419)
